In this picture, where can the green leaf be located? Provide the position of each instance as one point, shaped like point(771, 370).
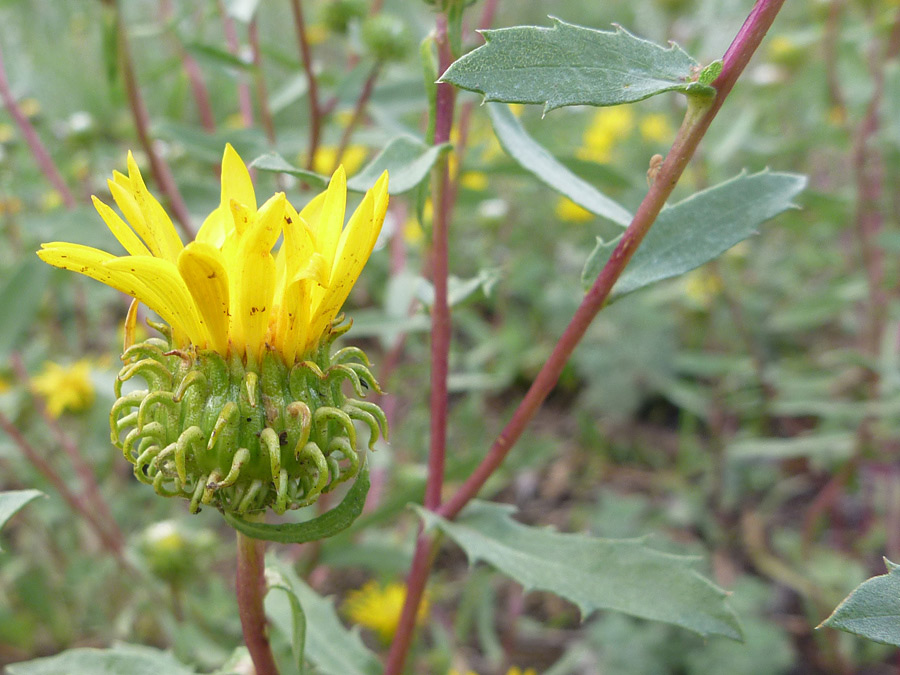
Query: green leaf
point(535, 158)
point(624, 575)
point(13, 500)
point(275, 163)
point(872, 610)
point(215, 56)
point(276, 581)
point(20, 298)
point(699, 228)
point(330, 647)
point(406, 159)
point(120, 660)
point(572, 65)
point(329, 523)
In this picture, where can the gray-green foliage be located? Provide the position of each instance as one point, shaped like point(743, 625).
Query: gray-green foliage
point(872, 610)
point(12, 501)
point(625, 575)
point(119, 660)
point(536, 159)
point(330, 647)
point(572, 65)
point(699, 228)
point(406, 159)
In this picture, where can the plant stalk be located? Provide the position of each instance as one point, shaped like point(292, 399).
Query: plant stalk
point(250, 587)
point(697, 121)
point(315, 111)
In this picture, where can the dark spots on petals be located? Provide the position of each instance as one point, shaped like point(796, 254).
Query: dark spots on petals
point(288, 220)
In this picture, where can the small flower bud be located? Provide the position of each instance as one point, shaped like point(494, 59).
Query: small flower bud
point(386, 37)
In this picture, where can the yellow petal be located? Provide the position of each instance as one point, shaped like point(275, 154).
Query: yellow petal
point(293, 321)
point(241, 216)
point(132, 212)
point(331, 220)
point(155, 216)
point(107, 268)
point(203, 270)
point(120, 229)
point(358, 240)
point(256, 281)
point(236, 183)
point(166, 291)
point(213, 230)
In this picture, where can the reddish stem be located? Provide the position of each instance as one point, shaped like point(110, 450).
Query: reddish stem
point(245, 101)
point(358, 111)
point(195, 76)
point(158, 165)
point(79, 463)
point(250, 586)
point(59, 484)
point(41, 156)
point(692, 130)
point(440, 310)
point(315, 112)
point(262, 93)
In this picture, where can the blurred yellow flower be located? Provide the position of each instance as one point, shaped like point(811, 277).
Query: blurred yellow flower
point(51, 200)
point(228, 290)
point(474, 180)
point(6, 133)
point(608, 126)
point(702, 287)
point(10, 206)
point(378, 607)
point(5, 385)
point(316, 33)
point(65, 387)
point(656, 128)
point(571, 212)
point(353, 159)
point(30, 107)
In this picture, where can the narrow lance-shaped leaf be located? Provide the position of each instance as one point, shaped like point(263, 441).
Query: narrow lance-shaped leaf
point(872, 610)
point(572, 65)
point(322, 526)
point(699, 228)
point(534, 158)
point(624, 575)
point(330, 647)
point(406, 159)
point(119, 660)
point(12, 501)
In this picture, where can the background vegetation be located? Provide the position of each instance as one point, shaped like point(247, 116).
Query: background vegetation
point(746, 412)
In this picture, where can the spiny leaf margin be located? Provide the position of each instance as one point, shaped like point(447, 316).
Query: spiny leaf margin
point(577, 67)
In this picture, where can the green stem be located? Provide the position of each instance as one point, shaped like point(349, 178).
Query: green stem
point(250, 587)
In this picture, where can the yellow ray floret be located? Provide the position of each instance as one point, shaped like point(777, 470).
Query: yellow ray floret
point(229, 290)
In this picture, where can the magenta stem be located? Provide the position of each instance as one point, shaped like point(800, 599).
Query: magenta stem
point(158, 165)
point(692, 130)
point(315, 110)
point(245, 100)
point(250, 587)
point(38, 151)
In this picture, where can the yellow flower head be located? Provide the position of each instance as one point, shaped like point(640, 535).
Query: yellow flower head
point(571, 212)
point(352, 159)
point(656, 128)
point(228, 290)
point(608, 126)
point(65, 387)
point(378, 608)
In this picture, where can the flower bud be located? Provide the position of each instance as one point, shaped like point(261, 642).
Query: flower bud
point(386, 37)
point(243, 436)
